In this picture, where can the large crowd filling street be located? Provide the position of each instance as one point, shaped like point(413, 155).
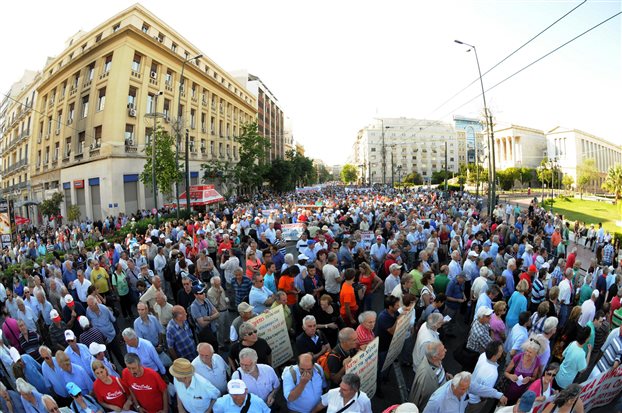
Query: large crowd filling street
point(165, 320)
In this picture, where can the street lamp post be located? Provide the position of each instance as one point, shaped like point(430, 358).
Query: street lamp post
point(384, 156)
point(178, 129)
point(399, 175)
point(155, 116)
point(491, 146)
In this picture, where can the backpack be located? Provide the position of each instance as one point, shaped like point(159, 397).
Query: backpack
point(359, 292)
point(322, 361)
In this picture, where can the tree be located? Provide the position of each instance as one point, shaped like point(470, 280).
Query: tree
point(438, 177)
point(73, 213)
point(51, 207)
point(223, 172)
point(167, 170)
point(413, 178)
point(280, 175)
point(506, 180)
point(586, 173)
point(526, 175)
point(251, 168)
point(303, 171)
point(567, 181)
point(349, 173)
point(613, 182)
point(323, 174)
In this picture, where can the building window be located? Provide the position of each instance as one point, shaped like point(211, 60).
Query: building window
point(167, 108)
point(56, 151)
point(107, 63)
point(85, 106)
point(202, 145)
point(63, 89)
point(148, 136)
point(150, 102)
point(193, 118)
point(47, 155)
point(129, 135)
point(136, 62)
point(131, 97)
point(212, 125)
point(116, 27)
point(220, 149)
point(76, 80)
point(59, 120)
point(67, 147)
point(70, 113)
point(90, 71)
point(373, 149)
point(98, 38)
point(220, 128)
point(49, 125)
point(101, 99)
point(81, 142)
point(154, 70)
point(160, 37)
point(98, 136)
point(174, 47)
point(192, 148)
point(203, 124)
point(168, 79)
point(194, 90)
point(145, 28)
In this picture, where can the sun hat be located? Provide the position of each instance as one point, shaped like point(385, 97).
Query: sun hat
point(181, 368)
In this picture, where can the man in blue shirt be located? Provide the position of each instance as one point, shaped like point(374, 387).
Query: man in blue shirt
point(237, 398)
point(101, 318)
point(144, 349)
point(452, 396)
point(78, 353)
point(303, 384)
point(31, 369)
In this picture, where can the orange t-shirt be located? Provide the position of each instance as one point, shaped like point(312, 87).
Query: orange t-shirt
point(287, 284)
point(347, 296)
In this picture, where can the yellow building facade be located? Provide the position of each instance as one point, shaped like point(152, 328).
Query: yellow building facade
point(93, 100)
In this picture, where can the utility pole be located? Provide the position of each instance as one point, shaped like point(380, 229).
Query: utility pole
point(187, 173)
point(392, 169)
point(476, 167)
point(384, 156)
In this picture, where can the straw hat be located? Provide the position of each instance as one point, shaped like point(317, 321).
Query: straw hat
point(181, 368)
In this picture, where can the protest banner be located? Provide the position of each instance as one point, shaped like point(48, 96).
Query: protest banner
point(397, 342)
point(602, 389)
point(367, 236)
point(271, 327)
point(291, 232)
point(365, 365)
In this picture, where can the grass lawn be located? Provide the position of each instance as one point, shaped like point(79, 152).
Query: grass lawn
point(590, 212)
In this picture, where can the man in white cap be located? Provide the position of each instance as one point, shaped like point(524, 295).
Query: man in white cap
point(98, 351)
point(78, 353)
point(71, 311)
point(393, 279)
point(237, 400)
point(30, 368)
point(194, 392)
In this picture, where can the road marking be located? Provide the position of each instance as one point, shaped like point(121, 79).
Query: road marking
point(401, 383)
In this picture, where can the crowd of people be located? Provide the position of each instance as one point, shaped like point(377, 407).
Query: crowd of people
point(161, 321)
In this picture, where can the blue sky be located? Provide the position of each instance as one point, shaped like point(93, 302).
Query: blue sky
point(336, 65)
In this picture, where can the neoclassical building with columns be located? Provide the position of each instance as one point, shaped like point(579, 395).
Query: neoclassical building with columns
point(519, 146)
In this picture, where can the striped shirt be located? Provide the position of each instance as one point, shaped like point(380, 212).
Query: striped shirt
point(612, 352)
point(538, 292)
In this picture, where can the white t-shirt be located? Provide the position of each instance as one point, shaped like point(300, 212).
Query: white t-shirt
point(334, 402)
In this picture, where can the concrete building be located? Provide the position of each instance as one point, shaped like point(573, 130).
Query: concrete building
point(518, 146)
point(288, 135)
point(91, 131)
point(570, 147)
point(17, 120)
point(270, 120)
point(473, 135)
point(407, 145)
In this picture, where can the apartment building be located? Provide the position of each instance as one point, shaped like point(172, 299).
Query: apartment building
point(16, 125)
point(92, 122)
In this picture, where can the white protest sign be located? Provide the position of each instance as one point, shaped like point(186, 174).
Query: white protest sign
point(397, 342)
point(601, 390)
point(365, 365)
point(271, 327)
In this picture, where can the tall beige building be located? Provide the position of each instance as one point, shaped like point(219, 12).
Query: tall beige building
point(91, 127)
point(519, 146)
point(17, 119)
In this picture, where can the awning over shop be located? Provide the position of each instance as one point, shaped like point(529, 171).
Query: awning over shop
point(200, 195)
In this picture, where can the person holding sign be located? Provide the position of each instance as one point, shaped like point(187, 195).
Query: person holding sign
point(347, 396)
point(385, 327)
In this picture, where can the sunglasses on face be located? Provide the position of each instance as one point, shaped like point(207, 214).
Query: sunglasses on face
point(250, 333)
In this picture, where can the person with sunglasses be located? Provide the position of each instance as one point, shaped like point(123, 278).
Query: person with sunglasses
point(543, 387)
point(249, 339)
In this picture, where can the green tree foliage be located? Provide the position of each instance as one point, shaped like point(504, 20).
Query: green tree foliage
point(586, 173)
point(222, 172)
point(303, 173)
point(73, 213)
point(438, 177)
point(252, 166)
point(349, 173)
point(613, 181)
point(567, 182)
point(527, 175)
point(413, 178)
point(507, 177)
point(51, 207)
point(280, 175)
point(167, 170)
point(323, 174)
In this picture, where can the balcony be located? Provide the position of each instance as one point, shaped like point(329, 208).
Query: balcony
point(135, 74)
point(104, 75)
point(130, 147)
point(73, 90)
point(87, 84)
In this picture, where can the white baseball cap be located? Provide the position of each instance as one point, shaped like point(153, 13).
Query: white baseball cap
point(96, 348)
point(69, 335)
point(236, 387)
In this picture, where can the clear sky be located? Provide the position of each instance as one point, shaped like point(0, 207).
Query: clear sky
point(335, 65)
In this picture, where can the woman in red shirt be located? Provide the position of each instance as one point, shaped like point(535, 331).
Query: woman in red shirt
point(252, 264)
point(371, 281)
point(109, 391)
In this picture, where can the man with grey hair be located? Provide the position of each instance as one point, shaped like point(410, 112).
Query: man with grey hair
point(452, 396)
point(260, 379)
point(332, 277)
point(427, 333)
point(348, 397)
point(430, 374)
point(217, 295)
point(50, 404)
point(339, 356)
point(144, 349)
point(311, 340)
point(249, 339)
point(10, 400)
